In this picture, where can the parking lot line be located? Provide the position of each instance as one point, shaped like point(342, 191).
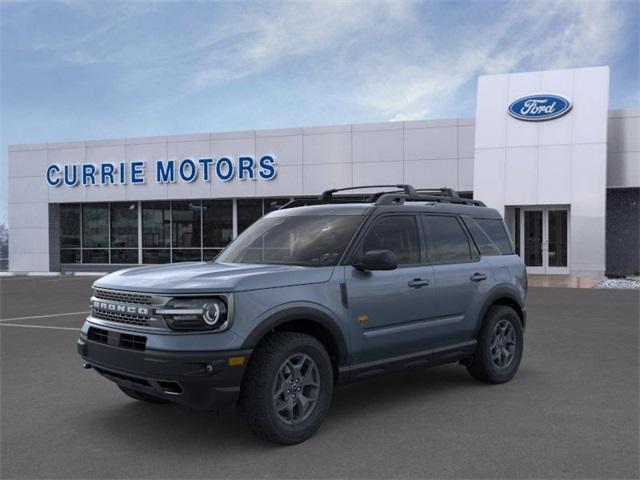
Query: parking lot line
point(35, 317)
point(38, 326)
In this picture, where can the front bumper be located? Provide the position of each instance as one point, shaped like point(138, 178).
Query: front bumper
point(203, 380)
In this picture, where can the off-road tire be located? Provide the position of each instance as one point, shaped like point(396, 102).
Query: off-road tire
point(141, 396)
point(482, 366)
point(256, 403)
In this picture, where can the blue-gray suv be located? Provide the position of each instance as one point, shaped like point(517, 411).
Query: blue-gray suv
point(318, 293)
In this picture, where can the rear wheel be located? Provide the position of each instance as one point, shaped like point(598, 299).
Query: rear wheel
point(287, 388)
point(500, 345)
point(141, 396)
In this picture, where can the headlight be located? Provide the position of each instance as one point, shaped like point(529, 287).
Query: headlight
point(195, 314)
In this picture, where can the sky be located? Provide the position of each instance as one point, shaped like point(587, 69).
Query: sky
point(74, 70)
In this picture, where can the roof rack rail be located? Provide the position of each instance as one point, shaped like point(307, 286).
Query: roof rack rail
point(403, 193)
point(327, 195)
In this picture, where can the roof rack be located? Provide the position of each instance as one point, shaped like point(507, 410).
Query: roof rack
point(403, 193)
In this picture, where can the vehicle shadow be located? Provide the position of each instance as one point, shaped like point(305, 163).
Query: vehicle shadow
point(192, 432)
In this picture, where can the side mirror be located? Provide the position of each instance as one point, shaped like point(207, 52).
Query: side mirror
point(377, 260)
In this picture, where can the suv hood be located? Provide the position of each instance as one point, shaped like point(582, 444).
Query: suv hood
point(202, 277)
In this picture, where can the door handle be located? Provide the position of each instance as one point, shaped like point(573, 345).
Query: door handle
point(418, 282)
point(477, 277)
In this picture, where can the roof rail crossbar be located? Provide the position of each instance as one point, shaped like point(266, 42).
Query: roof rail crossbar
point(403, 193)
point(327, 195)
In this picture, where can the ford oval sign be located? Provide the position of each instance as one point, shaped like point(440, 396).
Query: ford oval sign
point(536, 108)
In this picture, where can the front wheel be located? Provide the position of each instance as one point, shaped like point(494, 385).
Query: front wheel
point(500, 344)
point(287, 388)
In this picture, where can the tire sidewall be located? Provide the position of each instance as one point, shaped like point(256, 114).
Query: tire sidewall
point(315, 350)
point(496, 374)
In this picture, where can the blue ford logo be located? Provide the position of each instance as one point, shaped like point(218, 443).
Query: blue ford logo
point(536, 108)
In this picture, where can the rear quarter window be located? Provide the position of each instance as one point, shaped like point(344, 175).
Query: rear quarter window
point(497, 232)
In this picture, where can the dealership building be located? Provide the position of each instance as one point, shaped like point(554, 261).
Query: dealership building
point(544, 149)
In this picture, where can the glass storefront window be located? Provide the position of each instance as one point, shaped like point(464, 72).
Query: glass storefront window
point(68, 255)
point(209, 254)
point(156, 224)
point(156, 255)
point(95, 255)
point(127, 255)
point(186, 255)
point(249, 210)
point(217, 222)
point(124, 225)
point(95, 225)
point(69, 226)
point(186, 224)
point(172, 231)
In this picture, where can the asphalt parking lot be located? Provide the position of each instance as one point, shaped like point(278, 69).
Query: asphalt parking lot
point(571, 412)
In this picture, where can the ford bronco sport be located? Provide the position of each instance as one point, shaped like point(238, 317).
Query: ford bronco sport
point(312, 296)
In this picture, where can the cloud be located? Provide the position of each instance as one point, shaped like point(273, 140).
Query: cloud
point(532, 36)
point(296, 30)
point(391, 57)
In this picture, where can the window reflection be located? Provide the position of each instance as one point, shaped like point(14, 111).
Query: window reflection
point(95, 225)
point(186, 224)
point(172, 231)
point(217, 223)
point(249, 210)
point(124, 225)
point(156, 224)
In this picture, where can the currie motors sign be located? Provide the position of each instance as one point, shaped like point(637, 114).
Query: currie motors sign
point(537, 108)
point(188, 170)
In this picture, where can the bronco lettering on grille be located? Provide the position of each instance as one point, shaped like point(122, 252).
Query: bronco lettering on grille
point(127, 309)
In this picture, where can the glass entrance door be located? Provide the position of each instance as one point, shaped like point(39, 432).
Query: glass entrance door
point(544, 239)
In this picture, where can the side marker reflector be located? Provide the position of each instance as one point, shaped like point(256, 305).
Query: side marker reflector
point(236, 361)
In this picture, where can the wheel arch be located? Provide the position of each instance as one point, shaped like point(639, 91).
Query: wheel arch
point(507, 297)
point(304, 320)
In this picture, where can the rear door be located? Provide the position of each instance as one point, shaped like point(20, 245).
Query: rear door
point(389, 311)
point(461, 276)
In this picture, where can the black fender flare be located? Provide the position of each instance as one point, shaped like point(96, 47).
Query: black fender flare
point(309, 314)
point(498, 293)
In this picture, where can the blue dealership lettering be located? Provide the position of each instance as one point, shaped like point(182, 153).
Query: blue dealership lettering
point(245, 168)
point(188, 170)
point(106, 173)
point(137, 172)
point(71, 175)
point(536, 108)
point(123, 173)
point(221, 165)
point(51, 180)
point(206, 165)
point(267, 168)
point(165, 173)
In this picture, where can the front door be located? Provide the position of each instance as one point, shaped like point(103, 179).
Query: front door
point(544, 239)
point(390, 312)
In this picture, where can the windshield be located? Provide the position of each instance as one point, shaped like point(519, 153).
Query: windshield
point(313, 240)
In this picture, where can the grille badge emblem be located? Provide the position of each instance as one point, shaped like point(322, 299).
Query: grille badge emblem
point(118, 308)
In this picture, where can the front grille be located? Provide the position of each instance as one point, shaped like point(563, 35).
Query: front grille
point(120, 317)
point(124, 297)
point(133, 342)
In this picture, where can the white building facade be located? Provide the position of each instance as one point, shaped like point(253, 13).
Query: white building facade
point(567, 184)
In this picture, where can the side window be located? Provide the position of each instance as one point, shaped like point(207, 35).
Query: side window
point(446, 240)
point(397, 233)
point(484, 243)
point(497, 232)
